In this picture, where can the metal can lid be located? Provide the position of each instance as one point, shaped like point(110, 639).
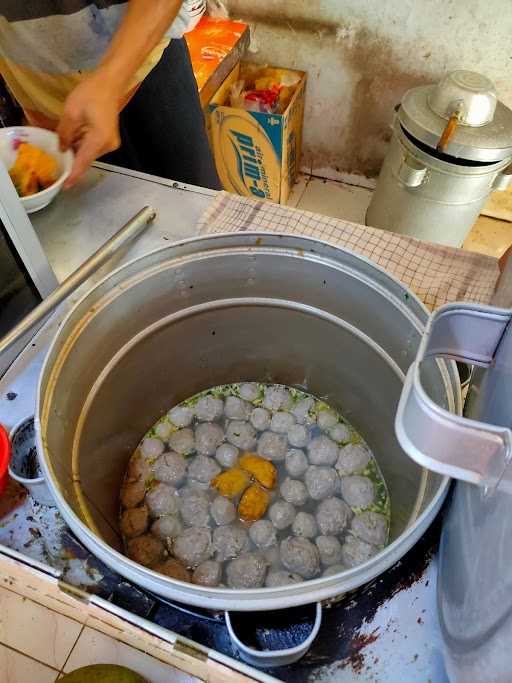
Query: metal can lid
point(486, 142)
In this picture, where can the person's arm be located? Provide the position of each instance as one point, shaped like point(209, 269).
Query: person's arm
point(91, 111)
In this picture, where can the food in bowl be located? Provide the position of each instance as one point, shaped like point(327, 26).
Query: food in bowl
point(250, 485)
point(33, 170)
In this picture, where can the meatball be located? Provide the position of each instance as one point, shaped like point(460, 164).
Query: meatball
point(272, 556)
point(203, 469)
point(321, 482)
point(227, 455)
point(296, 463)
point(357, 491)
point(241, 435)
point(272, 446)
point(163, 430)
point(294, 491)
point(208, 573)
point(352, 458)
point(263, 534)
point(300, 556)
point(174, 569)
point(193, 546)
point(209, 408)
point(162, 500)
point(282, 514)
point(333, 569)
point(134, 522)
point(322, 451)
point(298, 436)
point(170, 468)
point(194, 507)
point(340, 433)
point(167, 527)
point(326, 419)
point(247, 571)
point(249, 391)
point(132, 493)
point(208, 437)
point(151, 448)
point(371, 527)
point(237, 409)
point(182, 441)
point(229, 541)
point(281, 422)
point(303, 411)
point(281, 578)
point(277, 398)
point(181, 416)
point(355, 551)
point(305, 525)
point(138, 468)
point(330, 550)
point(145, 550)
point(223, 511)
point(332, 516)
point(260, 419)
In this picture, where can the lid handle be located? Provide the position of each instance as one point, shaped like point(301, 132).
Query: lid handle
point(469, 94)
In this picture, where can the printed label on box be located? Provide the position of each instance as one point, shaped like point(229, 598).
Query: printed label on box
point(248, 159)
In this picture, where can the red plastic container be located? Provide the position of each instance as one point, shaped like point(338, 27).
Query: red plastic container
point(5, 456)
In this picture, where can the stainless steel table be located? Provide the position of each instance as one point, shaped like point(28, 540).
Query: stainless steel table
point(80, 220)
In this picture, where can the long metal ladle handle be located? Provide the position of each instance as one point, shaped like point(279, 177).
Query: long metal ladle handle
point(128, 232)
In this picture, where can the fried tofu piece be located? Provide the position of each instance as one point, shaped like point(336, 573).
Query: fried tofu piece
point(33, 170)
point(253, 503)
point(231, 482)
point(261, 469)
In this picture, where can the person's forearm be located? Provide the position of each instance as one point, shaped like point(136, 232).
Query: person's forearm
point(141, 29)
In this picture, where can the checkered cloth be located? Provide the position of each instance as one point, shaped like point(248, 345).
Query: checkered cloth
point(437, 274)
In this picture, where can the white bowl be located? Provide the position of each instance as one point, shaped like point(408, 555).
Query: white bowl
point(48, 141)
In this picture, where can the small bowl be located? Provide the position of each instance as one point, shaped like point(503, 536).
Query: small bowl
point(47, 140)
point(24, 465)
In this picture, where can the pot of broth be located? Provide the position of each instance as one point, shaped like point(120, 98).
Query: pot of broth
point(215, 421)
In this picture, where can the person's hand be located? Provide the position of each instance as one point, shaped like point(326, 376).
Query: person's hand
point(89, 124)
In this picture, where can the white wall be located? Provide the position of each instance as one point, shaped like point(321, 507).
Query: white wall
point(362, 55)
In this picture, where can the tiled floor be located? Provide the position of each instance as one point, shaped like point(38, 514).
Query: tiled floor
point(37, 644)
point(492, 233)
point(94, 647)
point(330, 198)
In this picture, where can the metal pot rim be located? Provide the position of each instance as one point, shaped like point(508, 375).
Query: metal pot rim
point(259, 598)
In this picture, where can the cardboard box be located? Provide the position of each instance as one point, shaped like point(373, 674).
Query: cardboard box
point(256, 154)
point(215, 47)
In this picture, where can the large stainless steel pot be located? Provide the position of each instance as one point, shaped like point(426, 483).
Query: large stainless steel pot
point(223, 309)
